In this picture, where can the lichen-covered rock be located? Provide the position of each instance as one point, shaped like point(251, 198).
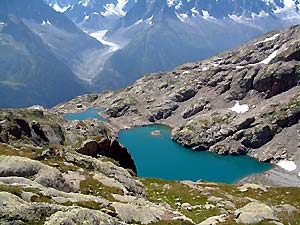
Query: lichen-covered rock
point(163, 110)
point(81, 216)
point(121, 175)
point(255, 212)
point(184, 94)
point(143, 212)
point(214, 220)
point(14, 210)
point(194, 108)
point(37, 171)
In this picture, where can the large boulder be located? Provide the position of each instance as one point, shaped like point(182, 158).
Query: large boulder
point(35, 170)
point(254, 212)
point(145, 212)
point(184, 94)
point(258, 136)
point(121, 175)
point(81, 216)
point(14, 210)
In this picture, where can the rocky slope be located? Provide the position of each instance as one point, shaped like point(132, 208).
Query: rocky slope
point(198, 100)
point(54, 171)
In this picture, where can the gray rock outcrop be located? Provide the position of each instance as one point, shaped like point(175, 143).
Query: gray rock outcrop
point(254, 212)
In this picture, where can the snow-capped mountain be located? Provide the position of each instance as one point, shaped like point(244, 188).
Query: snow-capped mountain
point(157, 35)
point(61, 5)
point(237, 10)
point(97, 14)
point(93, 14)
point(163, 34)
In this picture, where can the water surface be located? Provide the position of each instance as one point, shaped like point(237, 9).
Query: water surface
point(160, 157)
point(90, 113)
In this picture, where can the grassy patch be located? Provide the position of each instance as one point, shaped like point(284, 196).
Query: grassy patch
point(91, 186)
point(17, 190)
point(20, 150)
point(173, 192)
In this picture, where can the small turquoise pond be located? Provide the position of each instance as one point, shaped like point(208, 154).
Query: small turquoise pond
point(88, 114)
point(160, 157)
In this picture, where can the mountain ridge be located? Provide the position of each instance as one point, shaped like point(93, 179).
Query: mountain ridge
point(201, 28)
point(28, 62)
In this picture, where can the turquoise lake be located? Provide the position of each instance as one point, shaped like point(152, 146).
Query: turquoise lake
point(90, 113)
point(160, 157)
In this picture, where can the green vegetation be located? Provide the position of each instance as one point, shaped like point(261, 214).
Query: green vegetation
point(173, 193)
point(281, 111)
point(91, 186)
point(22, 150)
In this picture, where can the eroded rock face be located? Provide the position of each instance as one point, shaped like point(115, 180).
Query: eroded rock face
point(184, 94)
point(277, 78)
point(121, 106)
point(109, 148)
point(193, 109)
point(163, 111)
point(14, 126)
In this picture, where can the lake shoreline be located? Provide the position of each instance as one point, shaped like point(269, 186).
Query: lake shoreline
point(117, 128)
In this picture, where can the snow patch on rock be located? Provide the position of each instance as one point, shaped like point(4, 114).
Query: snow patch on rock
point(57, 8)
point(240, 108)
point(115, 9)
point(206, 15)
point(194, 12)
point(287, 165)
point(270, 58)
point(268, 39)
point(182, 17)
point(46, 22)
